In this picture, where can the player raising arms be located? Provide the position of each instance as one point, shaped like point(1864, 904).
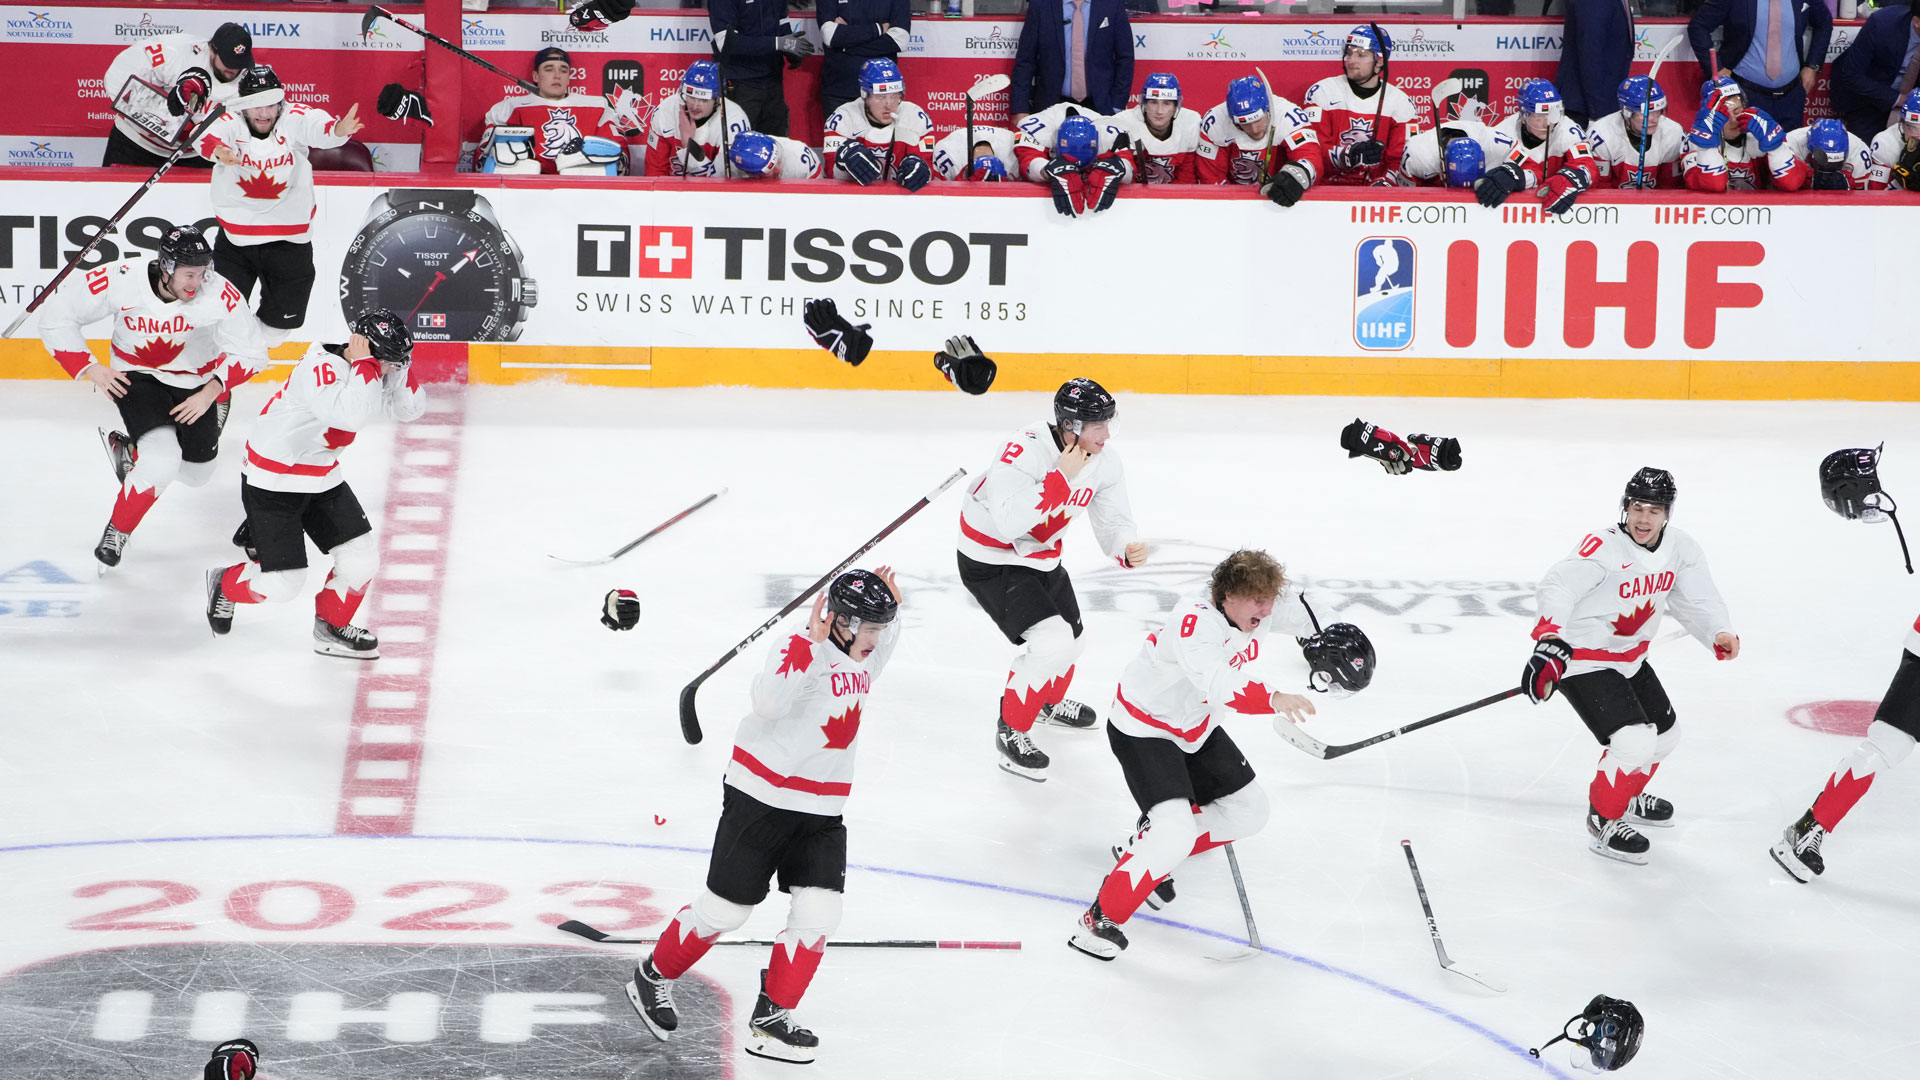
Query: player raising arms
point(1599, 609)
point(182, 337)
point(780, 812)
point(1009, 553)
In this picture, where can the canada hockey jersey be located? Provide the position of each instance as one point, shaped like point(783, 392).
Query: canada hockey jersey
point(953, 159)
point(1616, 153)
point(910, 134)
point(1344, 118)
point(1040, 137)
point(159, 61)
point(326, 401)
point(668, 156)
point(1565, 147)
point(1606, 599)
point(1858, 169)
point(1228, 155)
point(1014, 513)
point(1189, 675)
point(181, 343)
point(1172, 160)
point(1425, 161)
point(795, 749)
point(555, 124)
point(1883, 155)
point(269, 195)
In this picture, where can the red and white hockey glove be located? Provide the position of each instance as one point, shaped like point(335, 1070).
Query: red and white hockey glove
point(1069, 188)
point(598, 14)
point(1545, 668)
point(620, 610)
point(1102, 181)
point(1432, 452)
point(1561, 189)
point(235, 1059)
point(1383, 446)
point(189, 91)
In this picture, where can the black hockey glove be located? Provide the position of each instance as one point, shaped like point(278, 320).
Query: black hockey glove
point(620, 610)
point(1069, 188)
point(1562, 188)
point(1361, 155)
point(189, 91)
point(1500, 181)
point(965, 366)
point(1101, 181)
point(1544, 668)
point(1829, 180)
point(399, 103)
point(1432, 452)
point(1383, 446)
point(235, 1059)
point(599, 14)
point(912, 173)
point(1287, 185)
point(836, 334)
point(860, 162)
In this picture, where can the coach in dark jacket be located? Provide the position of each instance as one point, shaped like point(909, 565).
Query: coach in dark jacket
point(1043, 70)
point(1760, 46)
point(754, 41)
point(1594, 58)
point(1867, 77)
point(857, 31)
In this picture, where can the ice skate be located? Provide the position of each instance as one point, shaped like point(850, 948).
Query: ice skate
point(1068, 714)
point(349, 641)
point(772, 1034)
point(1649, 810)
point(112, 544)
point(219, 608)
point(1798, 849)
point(1615, 839)
point(1098, 936)
point(1019, 756)
point(652, 996)
point(119, 451)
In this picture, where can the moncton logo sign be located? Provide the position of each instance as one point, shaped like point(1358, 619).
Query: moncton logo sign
point(38, 26)
point(145, 28)
point(375, 38)
point(1216, 47)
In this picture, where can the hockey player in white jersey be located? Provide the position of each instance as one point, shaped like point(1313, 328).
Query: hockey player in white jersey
point(991, 159)
point(1731, 147)
point(1009, 555)
point(783, 794)
point(1895, 152)
point(182, 337)
point(880, 135)
point(1080, 158)
point(685, 134)
point(1623, 157)
point(291, 486)
point(177, 78)
point(1258, 137)
point(1347, 106)
point(1827, 157)
point(1547, 153)
point(263, 194)
point(1599, 609)
point(773, 157)
point(1431, 156)
point(1166, 137)
point(1192, 784)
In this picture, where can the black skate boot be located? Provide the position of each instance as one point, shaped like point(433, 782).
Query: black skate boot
point(1162, 894)
point(1098, 936)
point(652, 996)
point(1652, 810)
point(219, 608)
point(120, 452)
point(1069, 714)
point(773, 1035)
point(1615, 839)
point(113, 543)
point(1019, 756)
point(349, 641)
point(243, 539)
point(1798, 850)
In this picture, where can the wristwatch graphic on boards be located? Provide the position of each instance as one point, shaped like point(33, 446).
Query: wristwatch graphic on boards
point(439, 257)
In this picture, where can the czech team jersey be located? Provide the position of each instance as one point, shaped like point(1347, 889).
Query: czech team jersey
point(1228, 155)
point(555, 124)
point(1188, 675)
point(1616, 153)
point(1013, 514)
point(183, 344)
point(909, 135)
point(1345, 118)
point(1424, 162)
point(1565, 147)
point(1606, 599)
point(667, 154)
point(1172, 160)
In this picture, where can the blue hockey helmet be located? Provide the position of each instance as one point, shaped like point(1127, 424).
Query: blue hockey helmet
point(1541, 98)
point(1077, 140)
point(752, 152)
point(881, 76)
point(1466, 162)
point(1910, 110)
point(1160, 86)
point(1828, 136)
point(702, 80)
point(1247, 99)
point(1717, 95)
point(1364, 37)
point(1640, 92)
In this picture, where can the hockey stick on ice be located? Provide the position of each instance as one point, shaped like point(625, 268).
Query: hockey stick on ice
point(655, 531)
point(689, 717)
point(1433, 928)
point(376, 13)
point(588, 932)
point(1246, 910)
point(1309, 745)
point(186, 146)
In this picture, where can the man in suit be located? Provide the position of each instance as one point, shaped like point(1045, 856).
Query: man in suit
point(1760, 47)
point(857, 31)
point(1595, 57)
point(1073, 50)
point(1877, 70)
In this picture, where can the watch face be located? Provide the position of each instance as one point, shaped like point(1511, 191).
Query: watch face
point(449, 275)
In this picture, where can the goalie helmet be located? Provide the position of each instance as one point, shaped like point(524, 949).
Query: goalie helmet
point(1339, 659)
point(861, 596)
point(1609, 1029)
point(1082, 401)
point(387, 335)
point(180, 246)
point(259, 88)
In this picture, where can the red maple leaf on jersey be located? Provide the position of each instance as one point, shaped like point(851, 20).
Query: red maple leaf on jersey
point(157, 352)
point(798, 655)
point(368, 369)
point(1252, 698)
point(1054, 492)
point(336, 438)
point(841, 729)
point(1629, 624)
point(1544, 627)
point(1045, 530)
point(260, 186)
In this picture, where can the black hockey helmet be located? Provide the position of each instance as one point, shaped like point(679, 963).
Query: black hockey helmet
point(861, 596)
point(1850, 486)
point(387, 335)
point(1651, 485)
point(1339, 657)
point(259, 88)
point(182, 245)
point(1608, 1028)
point(1082, 401)
point(235, 1059)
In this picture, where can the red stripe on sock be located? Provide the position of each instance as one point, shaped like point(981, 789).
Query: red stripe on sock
point(131, 505)
point(1838, 798)
point(680, 948)
point(792, 970)
point(236, 590)
point(1021, 710)
point(1120, 896)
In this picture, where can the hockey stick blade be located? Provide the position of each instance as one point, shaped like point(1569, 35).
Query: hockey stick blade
point(987, 85)
point(581, 929)
point(1483, 979)
point(1309, 745)
point(1246, 911)
point(655, 531)
point(1447, 963)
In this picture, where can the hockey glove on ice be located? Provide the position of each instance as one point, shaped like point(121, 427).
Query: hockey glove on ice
point(1069, 188)
point(912, 173)
point(1545, 667)
point(1562, 188)
point(1287, 185)
point(1383, 446)
point(620, 610)
point(399, 103)
point(189, 91)
point(965, 366)
point(235, 1059)
point(1500, 181)
point(836, 334)
point(599, 14)
point(860, 162)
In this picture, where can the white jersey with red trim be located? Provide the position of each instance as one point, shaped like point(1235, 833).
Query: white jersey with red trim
point(1345, 118)
point(269, 195)
point(160, 61)
point(1040, 134)
point(327, 400)
point(1565, 147)
point(798, 161)
point(1883, 153)
point(555, 124)
point(1616, 153)
point(1228, 155)
point(664, 145)
point(1737, 164)
point(1014, 513)
point(1859, 166)
point(183, 344)
point(795, 749)
point(1424, 162)
point(1172, 160)
point(953, 158)
point(1188, 674)
point(909, 135)
point(1606, 599)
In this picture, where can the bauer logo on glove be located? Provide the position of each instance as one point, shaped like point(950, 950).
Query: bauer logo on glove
point(835, 334)
point(1400, 456)
point(965, 366)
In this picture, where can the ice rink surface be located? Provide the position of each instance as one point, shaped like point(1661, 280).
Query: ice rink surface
point(172, 873)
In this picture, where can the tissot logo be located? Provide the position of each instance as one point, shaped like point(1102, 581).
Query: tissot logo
point(872, 257)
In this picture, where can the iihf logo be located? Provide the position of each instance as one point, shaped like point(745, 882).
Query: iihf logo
point(1383, 288)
